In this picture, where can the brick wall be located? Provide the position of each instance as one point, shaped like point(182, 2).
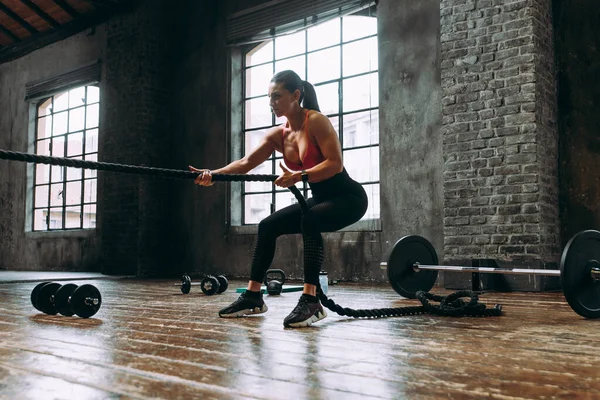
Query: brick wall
point(133, 220)
point(500, 145)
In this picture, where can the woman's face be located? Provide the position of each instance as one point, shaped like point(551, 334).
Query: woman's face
point(281, 100)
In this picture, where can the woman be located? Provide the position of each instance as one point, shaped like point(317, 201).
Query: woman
point(312, 153)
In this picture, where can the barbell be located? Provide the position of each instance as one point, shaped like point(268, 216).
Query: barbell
point(412, 266)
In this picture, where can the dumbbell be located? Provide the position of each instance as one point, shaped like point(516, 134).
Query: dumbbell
point(53, 298)
point(209, 285)
point(274, 280)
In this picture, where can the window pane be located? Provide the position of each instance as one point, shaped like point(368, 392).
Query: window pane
point(355, 27)
point(57, 174)
point(361, 129)
point(89, 216)
point(264, 168)
point(41, 196)
point(56, 194)
point(324, 65)
point(91, 173)
point(43, 147)
point(61, 102)
point(373, 210)
point(323, 35)
point(328, 97)
point(363, 164)
point(74, 173)
point(91, 118)
point(89, 191)
point(58, 146)
point(290, 45)
point(360, 57)
point(45, 108)
point(256, 207)
point(296, 64)
point(56, 218)
point(91, 141)
point(75, 144)
point(73, 193)
point(42, 174)
point(77, 97)
point(93, 94)
point(280, 120)
point(284, 199)
point(361, 92)
point(73, 217)
point(76, 118)
point(258, 112)
point(60, 123)
point(44, 127)
point(257, 80)
point(260, 54)
point(39, 220)
point(335, 121)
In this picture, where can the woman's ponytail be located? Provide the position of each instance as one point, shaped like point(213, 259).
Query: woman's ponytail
point(310, 101)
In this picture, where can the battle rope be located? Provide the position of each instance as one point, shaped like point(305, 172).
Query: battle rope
point(451, 305)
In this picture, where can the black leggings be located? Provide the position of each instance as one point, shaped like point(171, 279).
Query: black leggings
point(338, 202)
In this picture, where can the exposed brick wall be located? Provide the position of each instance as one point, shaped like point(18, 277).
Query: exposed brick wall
point(500, 147)
point(133, 220)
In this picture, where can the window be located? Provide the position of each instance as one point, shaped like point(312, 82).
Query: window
point(66, 126)
point(339, 57)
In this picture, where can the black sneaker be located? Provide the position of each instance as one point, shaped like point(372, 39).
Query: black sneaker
point(307, 312)
point(244, 305)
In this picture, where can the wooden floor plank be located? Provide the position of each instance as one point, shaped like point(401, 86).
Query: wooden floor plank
point(149, 340)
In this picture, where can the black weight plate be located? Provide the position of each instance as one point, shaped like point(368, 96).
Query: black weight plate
point(186, 284)
point(34, 293)
point(44, 298)
point(82, 302)
point(581, 290)
point(401, 274)
point(223, 284)
point(61, 299)
point(209, 285)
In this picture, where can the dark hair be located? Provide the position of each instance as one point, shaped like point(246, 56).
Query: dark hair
point(292, 82)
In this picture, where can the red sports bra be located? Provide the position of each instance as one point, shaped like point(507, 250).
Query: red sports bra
point(312, 156)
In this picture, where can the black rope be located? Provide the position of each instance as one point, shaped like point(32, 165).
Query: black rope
point(451, 305)
point(140, 170)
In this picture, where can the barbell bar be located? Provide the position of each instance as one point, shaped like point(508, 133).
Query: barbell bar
point(412, 266)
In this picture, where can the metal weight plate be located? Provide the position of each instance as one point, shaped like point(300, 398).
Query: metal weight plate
point(209, 285)
point(401, 274)
point(186, 284)
point(581, 290)
point(34, 293)
point(86, 301)
point(61, 299)
point(45, 300)
point(223, 284)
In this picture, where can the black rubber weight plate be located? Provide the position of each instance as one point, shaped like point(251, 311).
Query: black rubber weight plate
point(223, 284)
point(44, 299)
point(403, 278)
point(581, 291)
point(186, 284)
point(209, 285)
point(81, 301)
point(34, 293)
point(61, 299)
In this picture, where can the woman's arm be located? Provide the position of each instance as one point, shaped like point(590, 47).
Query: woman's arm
point(270, 142)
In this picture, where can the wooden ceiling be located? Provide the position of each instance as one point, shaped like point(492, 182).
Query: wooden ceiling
point(27, 25)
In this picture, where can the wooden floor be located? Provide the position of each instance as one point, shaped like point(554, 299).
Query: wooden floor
point(150, 341)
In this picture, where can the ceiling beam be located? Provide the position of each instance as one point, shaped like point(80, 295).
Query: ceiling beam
point(8, 33)
point(17, 18)
point(34, 7)
point(67, 8)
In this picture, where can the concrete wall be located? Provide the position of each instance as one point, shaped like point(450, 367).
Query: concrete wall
point(76, 251)
point(578, 60)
